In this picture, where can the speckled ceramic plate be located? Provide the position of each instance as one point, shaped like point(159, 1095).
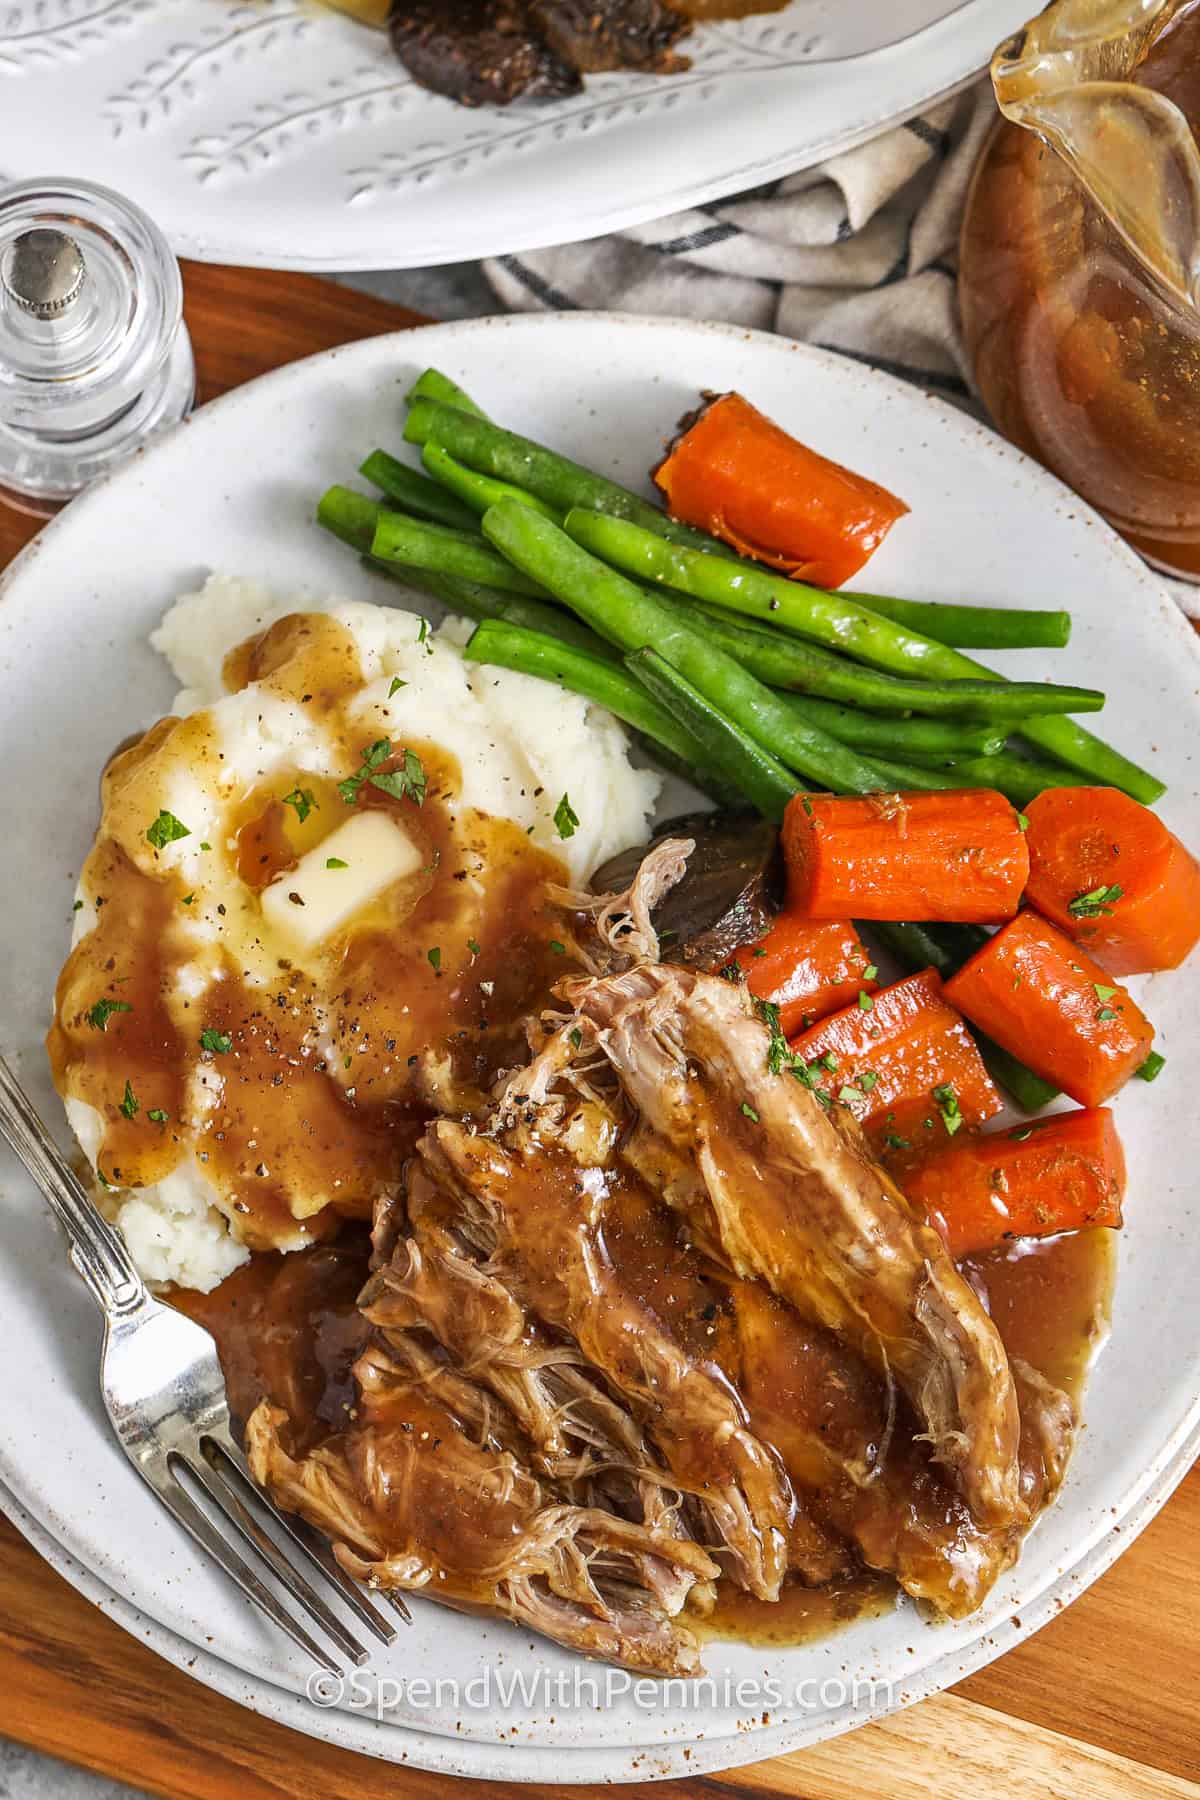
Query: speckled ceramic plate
point(234, 490)
point(272, 133)
point(528, 1762)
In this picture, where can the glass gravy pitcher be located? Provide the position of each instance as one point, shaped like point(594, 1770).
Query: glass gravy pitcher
point(1080, 267)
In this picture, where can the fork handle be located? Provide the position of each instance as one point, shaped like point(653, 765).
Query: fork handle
point(97, 1249)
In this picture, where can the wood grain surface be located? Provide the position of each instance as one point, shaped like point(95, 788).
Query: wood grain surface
point(1100, 1705)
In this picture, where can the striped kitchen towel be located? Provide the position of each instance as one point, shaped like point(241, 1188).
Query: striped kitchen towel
point(857, 254)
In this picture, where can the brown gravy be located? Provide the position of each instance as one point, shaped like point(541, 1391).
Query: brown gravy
point(313, 1102)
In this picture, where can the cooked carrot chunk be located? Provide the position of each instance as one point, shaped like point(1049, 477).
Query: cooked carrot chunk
point(738, 475)
point(903, 1062)
point(957, 855)
point(1059, 1174)
point(807, 967)
point(1110, 874)
point(1045, 1000)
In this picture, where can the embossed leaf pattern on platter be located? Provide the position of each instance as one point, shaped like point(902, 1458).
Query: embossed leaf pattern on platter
point(46, 33)
point(234, 89)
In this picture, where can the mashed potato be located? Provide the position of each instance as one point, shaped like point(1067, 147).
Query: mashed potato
point(257, 1084)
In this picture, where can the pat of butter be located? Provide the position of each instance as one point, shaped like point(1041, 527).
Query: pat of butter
point(314, 900)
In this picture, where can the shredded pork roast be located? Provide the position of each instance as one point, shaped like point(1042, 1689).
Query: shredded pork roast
point(652, 1314)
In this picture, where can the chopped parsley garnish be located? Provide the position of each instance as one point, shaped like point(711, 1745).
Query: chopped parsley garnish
point(158, 1115)
point(98, 1016)
point(335, 862)
point(473, 946)
point(423, 636)
point(205, 846)
point(566, 819)
point(897, 1143)
point(1022, 822)
point(188, 898)
point(78, 906)
point(130, 1105)
point(807, 804)
point(779, 1056)
point(405, 783)
point(1094, 902)
point(166, 829)
point(749, 1111)
point(870, 972)
point(758, 953)
point(848, 1094)
point(1106, 1015)
point(558, 949)
point(867, 1080)
point(575, 1037)
point(372, 756)
point(732, 971)
point(397, 684)
point(303, 800)
point(434, 957)
point(947, 1105)
point(1102, 992)
point(865, 1002)
point(828, 1061)
point(218, 1042)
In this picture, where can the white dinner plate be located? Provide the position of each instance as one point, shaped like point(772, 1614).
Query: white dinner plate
point(271, 133)
point(233, 491)
point(529, 1762)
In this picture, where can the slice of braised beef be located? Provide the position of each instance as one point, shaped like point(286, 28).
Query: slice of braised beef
point(478, 52)
point(621, 34)
point(732, 889)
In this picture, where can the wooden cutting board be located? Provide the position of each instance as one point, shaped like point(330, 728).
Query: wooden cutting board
point(1101, 1705)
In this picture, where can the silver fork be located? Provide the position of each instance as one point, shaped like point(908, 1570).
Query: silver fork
point(165, 1395)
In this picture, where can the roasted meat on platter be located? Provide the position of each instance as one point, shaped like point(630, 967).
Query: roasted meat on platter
point(489, 52)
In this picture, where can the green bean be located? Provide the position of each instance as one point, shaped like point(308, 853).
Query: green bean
point(973, 627)
point(906, 738)
point(946, 948)
point(736, 756)
point(941, 947)
point(1029, 1091)
point(914, 777)
point(567, 484)
point(529, 465)
point(350, 516)
point(507, 646)
point(401, 539)
point(476, 601)
point(632, 618)
point(433, 385)
point(789, 662)
point(830, 619)
point(415, 493)
point(476, 491)
point(719, 788)
point(1018, 777)
point(837, 622)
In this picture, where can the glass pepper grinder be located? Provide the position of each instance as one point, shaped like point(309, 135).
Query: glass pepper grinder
point(94, 354)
